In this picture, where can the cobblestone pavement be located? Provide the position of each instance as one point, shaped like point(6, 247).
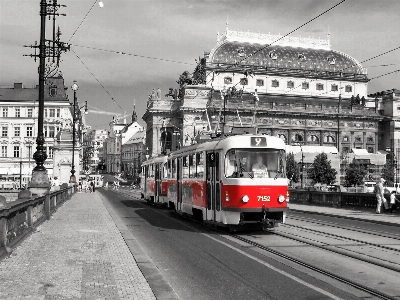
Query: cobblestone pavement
point(78, 254)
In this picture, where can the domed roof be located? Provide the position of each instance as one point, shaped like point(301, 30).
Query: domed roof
point(232, 52)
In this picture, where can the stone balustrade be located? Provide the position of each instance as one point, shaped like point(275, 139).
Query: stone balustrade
point(20, 217)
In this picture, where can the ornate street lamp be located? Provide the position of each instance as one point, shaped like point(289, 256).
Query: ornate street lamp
point(72, 178)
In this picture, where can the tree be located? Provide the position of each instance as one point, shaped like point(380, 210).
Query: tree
point(292, 169)
point(355, 174)
point(321, 170)
point(388, 173)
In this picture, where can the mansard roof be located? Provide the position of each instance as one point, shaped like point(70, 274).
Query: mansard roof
point(241, 49)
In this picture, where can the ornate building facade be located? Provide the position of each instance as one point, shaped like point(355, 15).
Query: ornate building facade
point(298, 89)
point(19, 120)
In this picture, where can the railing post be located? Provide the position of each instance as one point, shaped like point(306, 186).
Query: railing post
point(29, 216)
point(47, 211)
point(3, 232)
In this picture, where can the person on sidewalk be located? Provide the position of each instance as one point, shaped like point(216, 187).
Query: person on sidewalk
point(393, 201)
point(379, 192)
point(91, 186)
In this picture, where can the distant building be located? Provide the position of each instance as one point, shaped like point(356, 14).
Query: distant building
point(92, 142)
point(19, 122)
point(133, 154)
point(296, 88)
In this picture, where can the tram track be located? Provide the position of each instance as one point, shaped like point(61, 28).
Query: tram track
point(318, 270)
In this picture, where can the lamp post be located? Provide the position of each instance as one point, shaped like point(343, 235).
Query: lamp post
point(72, 177)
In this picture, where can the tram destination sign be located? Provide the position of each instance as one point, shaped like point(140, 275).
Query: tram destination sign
point(258, 141)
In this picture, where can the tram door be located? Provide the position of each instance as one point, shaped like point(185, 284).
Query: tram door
point(179, 185)
point(213, 186)
point(157, 179)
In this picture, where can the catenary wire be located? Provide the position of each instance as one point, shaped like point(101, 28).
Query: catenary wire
point(97, 80)
point(82, 20)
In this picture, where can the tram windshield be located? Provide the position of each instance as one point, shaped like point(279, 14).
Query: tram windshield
point(257, 163)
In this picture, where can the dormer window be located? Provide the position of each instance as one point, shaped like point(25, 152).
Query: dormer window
point(319, 86)
point(334, 88)
point(348, 89)
point(305, 85)
point(275, 83)
point(259, 82)
point(53, 91)
point(227, 80)
point(244, 81)
point(290, 84)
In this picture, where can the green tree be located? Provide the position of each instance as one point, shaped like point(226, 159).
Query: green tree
point(321, 170)
point(292, 168)
point(388, 173)
point(355, 174)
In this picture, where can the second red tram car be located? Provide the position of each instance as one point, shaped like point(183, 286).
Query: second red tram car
point(235, 180)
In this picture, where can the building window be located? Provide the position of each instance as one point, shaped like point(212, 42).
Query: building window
point(3, 151)
point(16, 151)
point(348, 89)
point(51, 131)
point(4, 131)
point(290, 84)
point(305, 85)
point(50, 152)
point(17, 112)
point(53, 91)
point(29, 131)
point(227, 80)
point(17, 131)
point(370, 149)
point(334, 88)
point(260, 82)
point(30, 112)
point(314, 139)
point(358, 139)
point(5, 112)
point(244, 81)
point(52, 112)
point(45, 113)
point(345, 139)
point(275, 83)
point(282, 137)
point(319, 86)
point(370, 139)
point(58, 113)
point(329, 139)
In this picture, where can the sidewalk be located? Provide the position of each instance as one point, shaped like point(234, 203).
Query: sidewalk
point(350, 213)
point(78, 254)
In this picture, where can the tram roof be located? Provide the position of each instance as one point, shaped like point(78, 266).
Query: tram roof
point(234, 141)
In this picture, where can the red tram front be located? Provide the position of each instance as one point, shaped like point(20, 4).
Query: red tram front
point(236, 180)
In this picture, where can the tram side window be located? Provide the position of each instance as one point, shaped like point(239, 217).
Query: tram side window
point(185, 167)
point(169, 169)
point(174, 168)
point(200, 165)
point(192, 166)
point(152, 171)
point(165, 171)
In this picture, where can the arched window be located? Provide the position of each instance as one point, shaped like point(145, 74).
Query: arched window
point(314, 139)
point(329, 139)
point(166, 141)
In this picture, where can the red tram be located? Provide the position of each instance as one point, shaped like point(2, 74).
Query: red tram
point(235, 180)
point(154, 181)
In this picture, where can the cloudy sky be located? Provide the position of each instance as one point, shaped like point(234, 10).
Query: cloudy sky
point(162, 39)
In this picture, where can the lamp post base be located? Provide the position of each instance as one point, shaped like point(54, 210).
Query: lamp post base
point(40, 183)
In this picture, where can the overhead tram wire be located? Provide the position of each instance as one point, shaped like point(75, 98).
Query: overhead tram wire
point(82, 20)
point(266, 46)
point(135, 55)
point(112, 98)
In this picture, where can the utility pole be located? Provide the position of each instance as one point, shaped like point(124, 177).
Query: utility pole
point(40, 181)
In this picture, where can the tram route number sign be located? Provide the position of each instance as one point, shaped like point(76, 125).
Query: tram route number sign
point(259, 141)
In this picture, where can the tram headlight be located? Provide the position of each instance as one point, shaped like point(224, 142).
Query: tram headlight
point(281, 198)
point(245, 199)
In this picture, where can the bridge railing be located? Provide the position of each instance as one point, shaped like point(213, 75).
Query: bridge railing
point(20, 217)
point(334, 199)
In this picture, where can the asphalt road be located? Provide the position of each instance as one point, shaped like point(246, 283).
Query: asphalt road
point(199, 263)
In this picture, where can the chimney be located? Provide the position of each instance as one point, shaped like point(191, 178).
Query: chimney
point(18, 86)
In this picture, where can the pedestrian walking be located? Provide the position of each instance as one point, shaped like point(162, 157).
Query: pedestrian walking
point(393, 201)
point(380, 197)
point(91, 186)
